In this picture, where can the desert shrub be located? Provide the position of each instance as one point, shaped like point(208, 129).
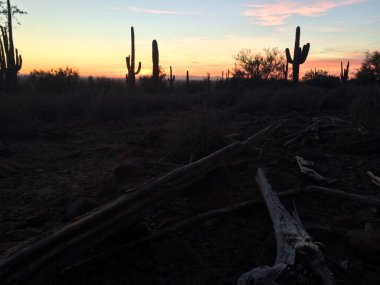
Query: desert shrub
point(55, 80)
point(365, 107)
point(197, 136)
point(320, 78)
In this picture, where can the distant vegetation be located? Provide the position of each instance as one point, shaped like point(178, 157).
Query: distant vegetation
point(258, 82)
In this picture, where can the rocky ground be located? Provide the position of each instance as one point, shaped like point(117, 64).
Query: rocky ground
point(67, 169)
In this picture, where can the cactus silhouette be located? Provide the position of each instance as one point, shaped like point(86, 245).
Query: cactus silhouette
point(285, 70)
point(299, 56)
point(10, 60)
point(156, 61)
point(131, 75)
point(171, 78)
point(344, 72)
point(187, 78)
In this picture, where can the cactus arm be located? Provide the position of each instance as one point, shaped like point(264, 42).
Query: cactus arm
point(304, 53)
point(288, 56)
point(18, 63)
point(5, 40)
point(128, 61)
point(3, 64)
point(138, 68)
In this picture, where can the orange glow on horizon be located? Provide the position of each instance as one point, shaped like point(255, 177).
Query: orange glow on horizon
point(331, 65)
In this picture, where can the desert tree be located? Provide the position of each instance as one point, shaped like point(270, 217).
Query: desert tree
point(370, 67)
point(259, 66)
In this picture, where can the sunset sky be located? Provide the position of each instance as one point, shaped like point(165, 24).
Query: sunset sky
point(200, 36)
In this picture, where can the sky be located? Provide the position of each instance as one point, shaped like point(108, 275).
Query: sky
point(201, 36)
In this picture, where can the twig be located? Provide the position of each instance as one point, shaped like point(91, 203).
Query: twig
point(347, 196)
point(311, 173)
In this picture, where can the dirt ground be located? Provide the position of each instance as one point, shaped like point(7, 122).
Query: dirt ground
point(67, 169)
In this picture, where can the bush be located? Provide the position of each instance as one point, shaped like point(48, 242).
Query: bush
point(55, 80)
point(321, 78)
point(369, 71)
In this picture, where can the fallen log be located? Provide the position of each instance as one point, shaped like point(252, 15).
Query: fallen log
point(179, 226)
point(369, 201)
point(299, 260)
point(40, 259)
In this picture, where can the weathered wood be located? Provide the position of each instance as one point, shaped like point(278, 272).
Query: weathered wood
point(369, 201)
point(311, 173)
point(297, 254)
point(179, 226)
point(374, 179)
point(41, 258)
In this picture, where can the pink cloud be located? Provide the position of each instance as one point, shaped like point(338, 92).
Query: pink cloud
point(273, 14)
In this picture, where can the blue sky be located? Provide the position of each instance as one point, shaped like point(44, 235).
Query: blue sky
point(199, 36)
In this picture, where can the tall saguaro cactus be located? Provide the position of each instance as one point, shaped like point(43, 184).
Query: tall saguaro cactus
point(299, 56)
point(156, 61)
point(187, 79)
point(131, 75)
point(10, 60)
point(344, 72)
point(171, 78)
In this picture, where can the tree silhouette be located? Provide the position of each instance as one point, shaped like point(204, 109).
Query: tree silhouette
point(370, 68)
point(259, 66)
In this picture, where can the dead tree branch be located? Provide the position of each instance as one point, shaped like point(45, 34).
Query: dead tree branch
point(344, 195)
point(298, 257)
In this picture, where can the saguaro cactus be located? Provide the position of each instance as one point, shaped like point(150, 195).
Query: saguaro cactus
point(299, 56)
point(187, 78)
point(156, 61)
point(344, 72)
point(171, 78)
point(131, 75)
point(10, 60)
